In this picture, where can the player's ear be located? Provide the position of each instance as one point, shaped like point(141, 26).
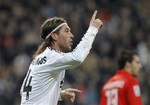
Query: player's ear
point(54, 36)
point(128, 65)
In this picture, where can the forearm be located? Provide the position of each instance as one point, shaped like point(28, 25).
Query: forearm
point(83, 48)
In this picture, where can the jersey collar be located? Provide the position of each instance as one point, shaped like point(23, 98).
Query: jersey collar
point(54, 50)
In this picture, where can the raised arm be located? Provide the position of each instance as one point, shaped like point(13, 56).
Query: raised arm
point(78, 55)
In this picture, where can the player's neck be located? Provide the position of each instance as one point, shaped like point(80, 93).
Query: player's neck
point(55, 47)
point(127, 69)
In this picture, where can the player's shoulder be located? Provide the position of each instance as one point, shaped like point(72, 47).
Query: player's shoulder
point(114, 83)
point(124, 75)
point(45, 56)
point(52, 55)
point(134, 80)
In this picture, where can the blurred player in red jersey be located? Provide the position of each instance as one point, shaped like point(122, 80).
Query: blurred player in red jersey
point(123, 88)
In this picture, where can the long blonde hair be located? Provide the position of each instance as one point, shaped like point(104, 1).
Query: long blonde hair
point(46, 28)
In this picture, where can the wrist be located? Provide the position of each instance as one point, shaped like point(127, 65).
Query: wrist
point(93, 30)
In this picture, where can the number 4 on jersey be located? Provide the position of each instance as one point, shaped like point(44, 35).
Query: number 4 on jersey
point(27, 88)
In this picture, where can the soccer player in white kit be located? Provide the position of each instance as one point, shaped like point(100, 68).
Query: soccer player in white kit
point(43, 82)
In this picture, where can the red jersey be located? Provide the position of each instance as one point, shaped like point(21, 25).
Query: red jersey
point(121, 89)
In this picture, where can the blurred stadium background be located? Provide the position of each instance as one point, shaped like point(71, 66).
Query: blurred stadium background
point(126, 25)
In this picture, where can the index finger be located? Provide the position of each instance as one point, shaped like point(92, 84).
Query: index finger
point(75, 90)
point(94, 15)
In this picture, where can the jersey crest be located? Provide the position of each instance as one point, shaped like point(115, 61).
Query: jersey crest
point(136, 90)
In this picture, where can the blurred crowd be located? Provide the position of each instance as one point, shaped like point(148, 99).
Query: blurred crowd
point(126, 26)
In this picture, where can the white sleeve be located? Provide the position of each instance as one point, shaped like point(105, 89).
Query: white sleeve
point(77, 56)
point(59, 98)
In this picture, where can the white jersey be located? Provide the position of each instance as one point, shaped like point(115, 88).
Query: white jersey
point(43, 82)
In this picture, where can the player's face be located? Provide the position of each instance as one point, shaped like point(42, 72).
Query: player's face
point(65, 39)
point(135, 65)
